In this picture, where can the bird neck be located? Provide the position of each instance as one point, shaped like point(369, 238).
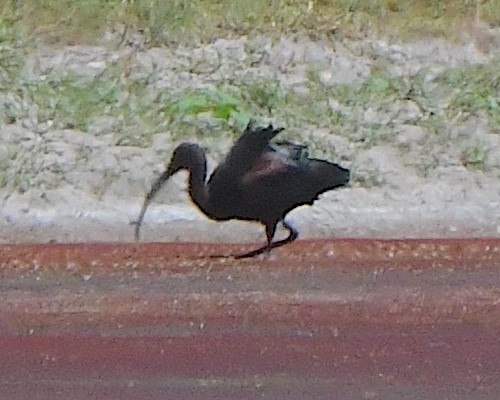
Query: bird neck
point(197, 189)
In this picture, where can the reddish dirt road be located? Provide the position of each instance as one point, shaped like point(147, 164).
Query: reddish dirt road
point(343, 319)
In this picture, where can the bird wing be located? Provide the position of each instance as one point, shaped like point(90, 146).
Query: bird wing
point(280, 183)
point(268, 164)
point(277, 159)
point(290, 152)
point(245, 155)
point(249, 147)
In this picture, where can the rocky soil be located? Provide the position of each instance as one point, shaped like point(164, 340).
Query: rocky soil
point(68, 185)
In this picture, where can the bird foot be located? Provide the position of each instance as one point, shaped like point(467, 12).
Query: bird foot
point(253, 253)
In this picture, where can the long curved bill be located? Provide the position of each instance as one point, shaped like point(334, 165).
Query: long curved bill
point(155, 188)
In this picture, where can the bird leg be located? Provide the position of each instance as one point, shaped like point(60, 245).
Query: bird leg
point(270, 229)
point(293, 234)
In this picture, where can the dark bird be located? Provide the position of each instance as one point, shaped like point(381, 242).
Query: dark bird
point(258, 181)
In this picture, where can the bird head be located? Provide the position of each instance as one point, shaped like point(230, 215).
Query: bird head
point(186, 156)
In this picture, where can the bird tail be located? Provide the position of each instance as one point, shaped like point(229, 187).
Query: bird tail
point(330, 175)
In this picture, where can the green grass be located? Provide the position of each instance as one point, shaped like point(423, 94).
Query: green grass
point(219, 104)
point(16, 168)
point(11, 47)
point(182, 21)
point(265, 95)
point(5, 160)
point(476, 89)
point(71, 102)
point(69, 21)
point(474, 156)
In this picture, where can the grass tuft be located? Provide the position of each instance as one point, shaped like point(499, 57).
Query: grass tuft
point(476, 89)
point(474, 156)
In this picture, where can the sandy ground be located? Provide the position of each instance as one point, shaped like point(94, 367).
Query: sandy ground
point(351, 212)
